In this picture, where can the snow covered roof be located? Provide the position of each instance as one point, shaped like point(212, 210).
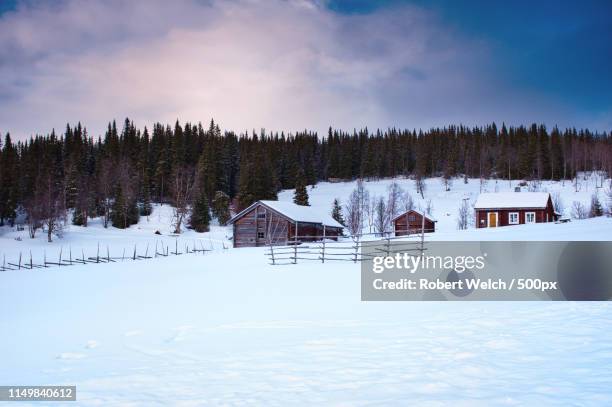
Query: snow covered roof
point(431, 218)
point(295, 212)
point(509, 200)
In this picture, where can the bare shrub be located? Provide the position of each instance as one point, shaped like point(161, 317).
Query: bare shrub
point(579, 210)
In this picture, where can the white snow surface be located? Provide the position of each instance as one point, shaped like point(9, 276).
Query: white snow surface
point(227, 328)
point(505, 200)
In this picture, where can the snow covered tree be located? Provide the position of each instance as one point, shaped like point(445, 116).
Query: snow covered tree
point(356, 208)
point(463, 217)
point(381, 216)
point(182, 193)
point(337, 212)
point(407, 202)
point(394, 198)
point(420, 185)
point(51, 205)
point(579, 210)
point(220, 207)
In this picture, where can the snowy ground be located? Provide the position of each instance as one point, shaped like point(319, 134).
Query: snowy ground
point(226, 328)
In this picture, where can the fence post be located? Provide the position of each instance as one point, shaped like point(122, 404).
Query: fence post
point(272, 252)
point(60, 256)
point(19, 266)
point(388, 245)
point(295, 239)
point(70, 250)
point(356, 242)
point(31, 264)
point(98, 254)
point(323, 247)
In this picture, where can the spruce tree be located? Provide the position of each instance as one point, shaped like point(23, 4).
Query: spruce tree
point(200, 216)
point(119, 210)
point(596, 208)
point(146, 207)
point(9, 177)
point(337, 212)
point(133, 213)
point(300, 196)
point(220, 207)
point(78, 218)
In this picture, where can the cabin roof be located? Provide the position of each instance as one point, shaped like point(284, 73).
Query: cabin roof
point(294, 212)
point(511, 200)
point(420, 213)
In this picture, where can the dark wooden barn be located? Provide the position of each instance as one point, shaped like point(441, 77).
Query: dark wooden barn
point(413, 221)
point(273, 222)
point(513, 208)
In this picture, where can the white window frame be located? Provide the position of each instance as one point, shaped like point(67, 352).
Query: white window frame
point(527, 214)
point(510, 215)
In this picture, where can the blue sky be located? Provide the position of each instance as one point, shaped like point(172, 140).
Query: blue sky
point(381, 63)
point(561, 47)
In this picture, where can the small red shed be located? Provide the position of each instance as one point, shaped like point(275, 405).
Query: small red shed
point(413, 221)
point(495, 209)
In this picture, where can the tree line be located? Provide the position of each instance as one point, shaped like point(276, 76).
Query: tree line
point(202, 171)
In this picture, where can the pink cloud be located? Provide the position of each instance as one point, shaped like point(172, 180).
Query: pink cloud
point(249, 64)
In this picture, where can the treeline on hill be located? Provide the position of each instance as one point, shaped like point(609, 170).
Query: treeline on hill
point(201, 170)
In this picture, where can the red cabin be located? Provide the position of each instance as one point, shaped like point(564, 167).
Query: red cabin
point(413, 221)
point(513, 208)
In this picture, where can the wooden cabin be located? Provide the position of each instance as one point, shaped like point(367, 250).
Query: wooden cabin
point(280, 223)
point(413, 221)
point(513, 208)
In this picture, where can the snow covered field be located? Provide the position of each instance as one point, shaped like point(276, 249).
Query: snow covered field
point(226, 328)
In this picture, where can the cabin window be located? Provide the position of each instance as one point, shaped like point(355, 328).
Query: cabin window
point(513, 218)
point(530, 217)
point(261, 215)
point(411, 218)
point(261, 235)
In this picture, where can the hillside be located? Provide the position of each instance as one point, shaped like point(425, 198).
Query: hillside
point(142, 238)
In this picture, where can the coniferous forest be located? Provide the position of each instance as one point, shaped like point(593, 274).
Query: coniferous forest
point(119, 175)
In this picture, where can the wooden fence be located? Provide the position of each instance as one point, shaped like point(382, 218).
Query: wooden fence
point(346, 248)
point(70, 258)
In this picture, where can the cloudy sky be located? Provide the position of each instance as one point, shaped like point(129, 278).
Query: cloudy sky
point(296, 64)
